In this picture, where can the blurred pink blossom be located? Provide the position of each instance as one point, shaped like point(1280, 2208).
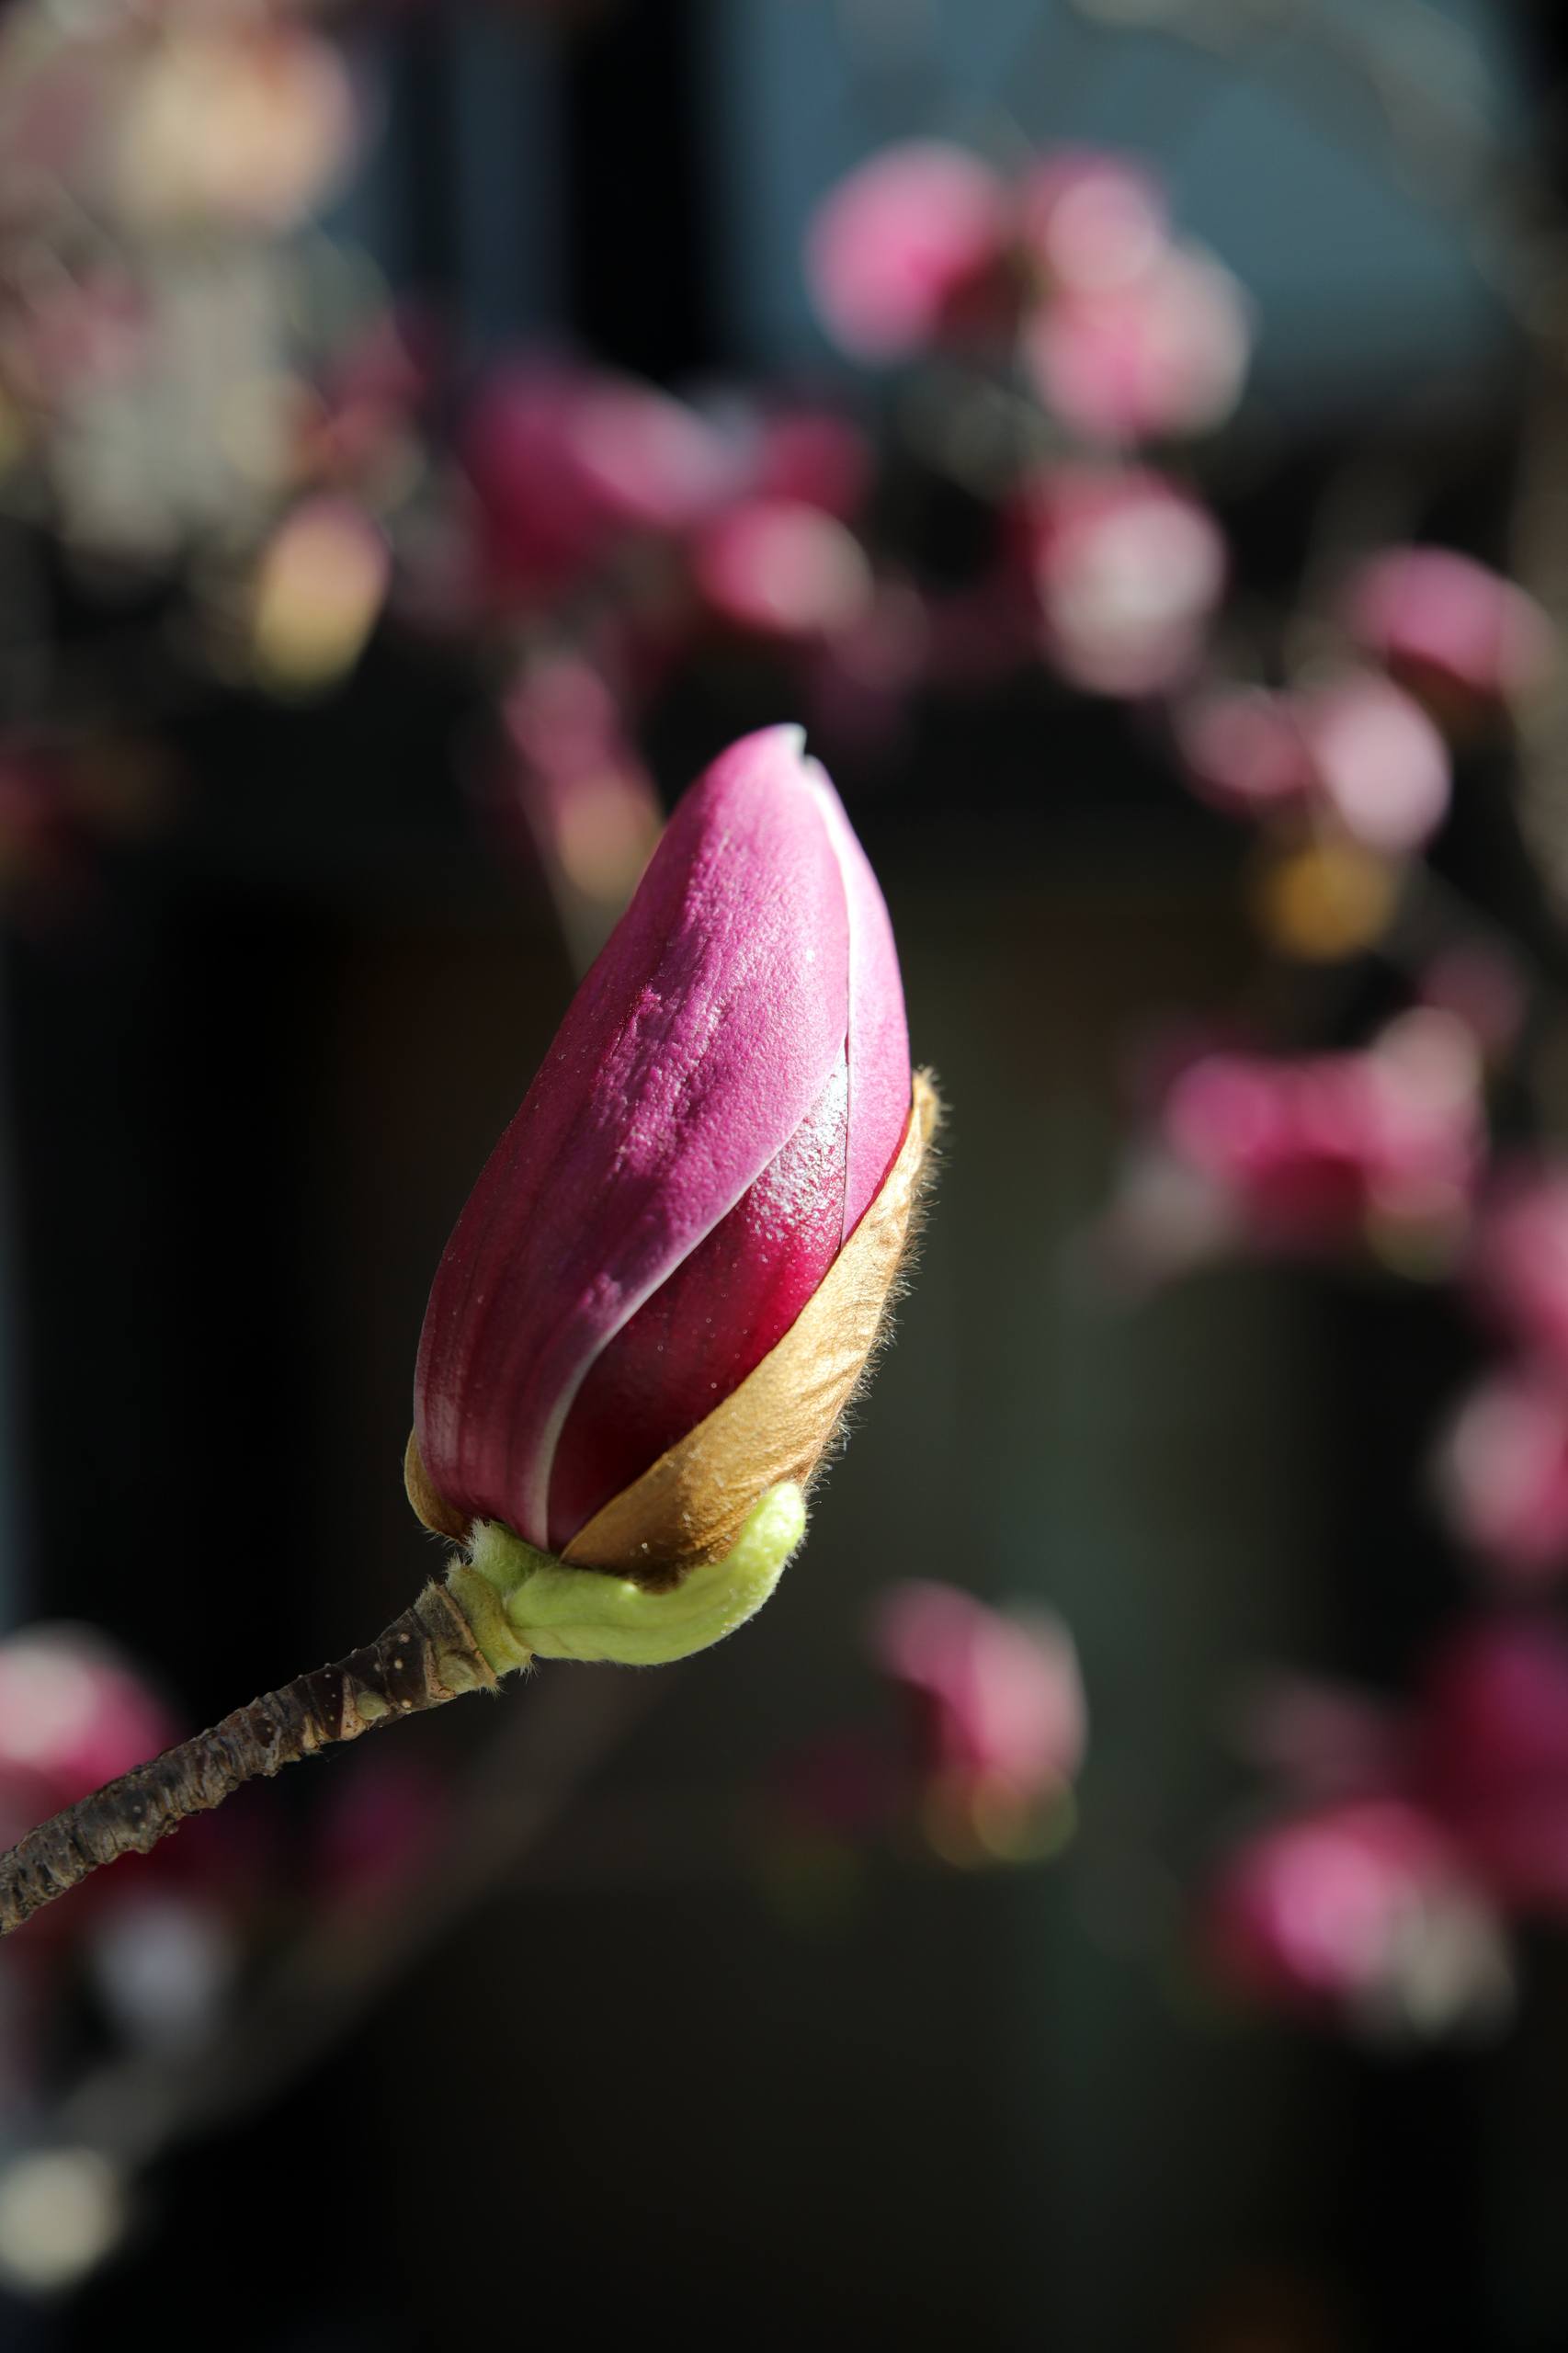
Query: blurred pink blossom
point(1091, 221)
point(1449, 627)
point(567, 462)
point(575, 779)
point(1308, 1152)
point(814, 455)
point(1126, 571)
point(1353, 747)
point(999, 1698)
point(1360, 1913)
point(1125, 333)
point(1377, 760)
point(907, 248)
point(1164, 352)
point(1519, 1264)
point(782, 569)
point(1481, 984)
point(1242, 749)
point(1502, 1474)
point(1419, 1830)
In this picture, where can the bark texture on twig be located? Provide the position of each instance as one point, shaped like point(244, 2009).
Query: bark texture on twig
point(425, 1658)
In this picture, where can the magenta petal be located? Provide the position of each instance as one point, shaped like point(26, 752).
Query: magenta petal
point(696, 1048)
point(711, 1323)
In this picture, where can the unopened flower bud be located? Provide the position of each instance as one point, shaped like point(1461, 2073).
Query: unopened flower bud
point(668, 1278)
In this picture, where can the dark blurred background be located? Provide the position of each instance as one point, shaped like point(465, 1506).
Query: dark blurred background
point(676, 2070)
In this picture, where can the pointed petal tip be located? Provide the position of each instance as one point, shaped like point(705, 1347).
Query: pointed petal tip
point(777, 752)
point(774, 757)
point(785, 741)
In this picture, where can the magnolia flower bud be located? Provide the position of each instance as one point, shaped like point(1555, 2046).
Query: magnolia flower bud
point(668, 1278)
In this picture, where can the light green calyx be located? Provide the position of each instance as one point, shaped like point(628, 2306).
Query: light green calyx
point(524, 1604)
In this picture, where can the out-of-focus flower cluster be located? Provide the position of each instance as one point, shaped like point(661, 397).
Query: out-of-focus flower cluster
point(1379, 1149)
point(982, 1767)
point(1125, 333)
point(997, 1715)
point(1066, 336)
point(194, 387)
point(1406, 1840)
point(197, 392)
point(1349, 768)
point(1501, 1467)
